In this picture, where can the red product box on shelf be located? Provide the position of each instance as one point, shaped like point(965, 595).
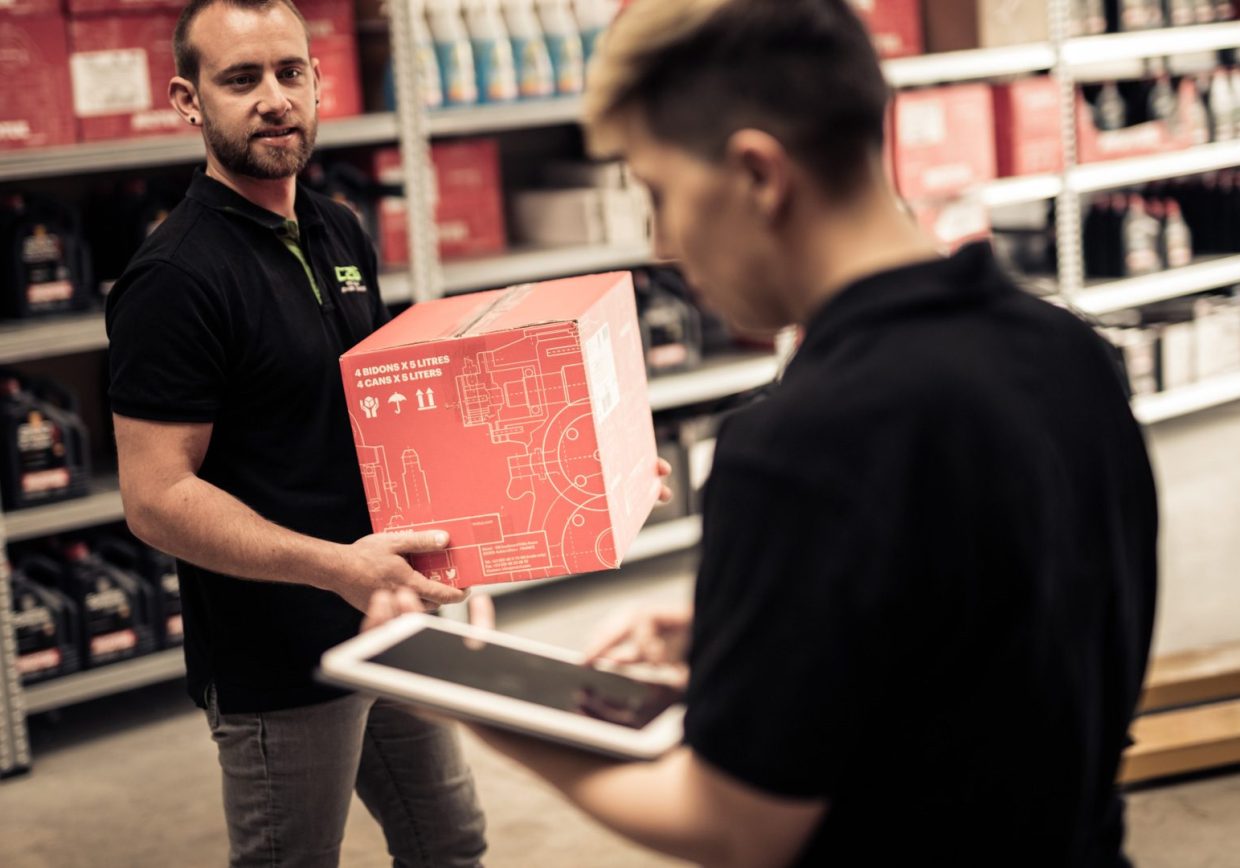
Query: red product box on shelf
point(34, 102)
point(516, 420)
point(120, 66)
point(95, 7)
point(943, 140)
point(895, 25)
point(469, 213)
point(1138, 140)
point(1027, 127)
point(333, 40)
point(23, 8)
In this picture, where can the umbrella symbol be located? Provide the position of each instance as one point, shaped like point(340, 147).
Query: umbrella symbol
point(397, 398)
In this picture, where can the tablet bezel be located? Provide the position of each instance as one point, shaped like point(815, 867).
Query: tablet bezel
point(348, 665)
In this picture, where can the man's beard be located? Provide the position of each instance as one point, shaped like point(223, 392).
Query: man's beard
point(243, 156)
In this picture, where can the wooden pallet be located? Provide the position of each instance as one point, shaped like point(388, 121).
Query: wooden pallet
point(1189, 715)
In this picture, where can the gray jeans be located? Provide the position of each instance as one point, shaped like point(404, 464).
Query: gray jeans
point(289, 777)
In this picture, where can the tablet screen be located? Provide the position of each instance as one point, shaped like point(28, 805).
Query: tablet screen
point(530, 677)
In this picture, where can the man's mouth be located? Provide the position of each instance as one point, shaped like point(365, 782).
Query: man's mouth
point(275, 133)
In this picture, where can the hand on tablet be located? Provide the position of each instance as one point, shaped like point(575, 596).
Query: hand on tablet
point(377, 562)
point(654, 637)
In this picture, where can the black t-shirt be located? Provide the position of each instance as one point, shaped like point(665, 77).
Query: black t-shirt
point(215, 320)
point(928, 578)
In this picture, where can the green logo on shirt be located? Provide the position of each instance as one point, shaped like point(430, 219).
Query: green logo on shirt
point(350, 278)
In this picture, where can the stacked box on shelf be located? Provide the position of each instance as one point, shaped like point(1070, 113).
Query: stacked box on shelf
point(333, 42)
point(35, 99)
point(895, 26)
point(120, 64)
point(469, 210)
point(1027, 127)
point(1143, 138)
point(958, 25)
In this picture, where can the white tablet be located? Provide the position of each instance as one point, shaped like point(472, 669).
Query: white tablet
point(510, 682)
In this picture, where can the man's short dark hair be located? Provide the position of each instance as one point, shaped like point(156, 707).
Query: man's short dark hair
point(184, 51)
point(696, 71)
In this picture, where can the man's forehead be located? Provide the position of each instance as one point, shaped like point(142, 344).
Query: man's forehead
point(227, 36)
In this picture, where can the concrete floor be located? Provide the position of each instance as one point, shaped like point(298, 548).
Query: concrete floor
point(131, 781)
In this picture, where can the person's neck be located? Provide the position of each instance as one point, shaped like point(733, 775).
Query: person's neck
point(872, 236)
point(278, 195)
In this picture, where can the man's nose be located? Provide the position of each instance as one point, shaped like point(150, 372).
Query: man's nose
point(272, 100)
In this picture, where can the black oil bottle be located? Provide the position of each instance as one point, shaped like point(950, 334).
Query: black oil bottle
point(44, 443)
point(117, 607)
point(46, 622)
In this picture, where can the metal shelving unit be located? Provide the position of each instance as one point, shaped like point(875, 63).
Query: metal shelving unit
point(503, 117)
point(101, 506)
point(1110, 296)
point(1092, 177)
point(531, 264)
point(186, 147)
point(1215, 392)
point(106, 680)
point(716, 378)
point(54, 336)
point(951, 66)
point(1086, 51)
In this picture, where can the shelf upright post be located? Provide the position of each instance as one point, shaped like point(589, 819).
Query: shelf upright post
point(413, 130)
point(14, 743)
point(1068, 202)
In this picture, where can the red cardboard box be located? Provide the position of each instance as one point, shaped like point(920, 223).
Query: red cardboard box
point(895, 25)
point(1151, 137)
point(1027, 127)
point(943, 140)
point(470, 208)
point(120, 68)
point(94, 7)
point(333, 40)
point(34, 100)
point(22, 8)
point(517, 420)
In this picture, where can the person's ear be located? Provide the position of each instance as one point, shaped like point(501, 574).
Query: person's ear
point(318, 80)
point(184, 98)
point(763, 169)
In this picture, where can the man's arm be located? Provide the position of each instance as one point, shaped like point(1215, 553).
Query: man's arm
point(169, 507)
point(679, 805)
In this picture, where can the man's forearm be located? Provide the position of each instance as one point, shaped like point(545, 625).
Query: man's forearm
point(658, 804)
point(204, 525)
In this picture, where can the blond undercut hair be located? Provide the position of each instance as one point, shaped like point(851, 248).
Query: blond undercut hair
point(696, 71)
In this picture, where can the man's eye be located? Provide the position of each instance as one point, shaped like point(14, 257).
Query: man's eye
point(241, 80)
point(291, 73)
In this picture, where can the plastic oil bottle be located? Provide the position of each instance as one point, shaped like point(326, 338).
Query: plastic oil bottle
point(41, 257)
point(496, 68)
point(535, 77)
point(46, 623)
point(117, 607)
point(43, 447)
point(159, 571)
point(564, 45)
point(454, 52)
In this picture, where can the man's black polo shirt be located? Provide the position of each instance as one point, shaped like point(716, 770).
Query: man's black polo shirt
point(927, 585)
point(215, 320)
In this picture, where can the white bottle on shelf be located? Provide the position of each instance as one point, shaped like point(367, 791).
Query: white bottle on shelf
point(497, 74)
point(593, 16)
point(564, 44)
point(454, 52)
point(424, 56)
point(1221, 102)
point(535, 78)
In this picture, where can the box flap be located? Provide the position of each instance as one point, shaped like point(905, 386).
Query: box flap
point(550, 301)
point(429, 321)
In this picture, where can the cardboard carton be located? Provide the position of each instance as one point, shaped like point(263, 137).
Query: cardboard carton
point(120, 67)
point(895, 25)
point(957, 25)
point(23, 8)
point(943, 140)
point(34, 101)
point(469, 213)
point(517, 420)
point(1027, 127)
point(333, 40)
